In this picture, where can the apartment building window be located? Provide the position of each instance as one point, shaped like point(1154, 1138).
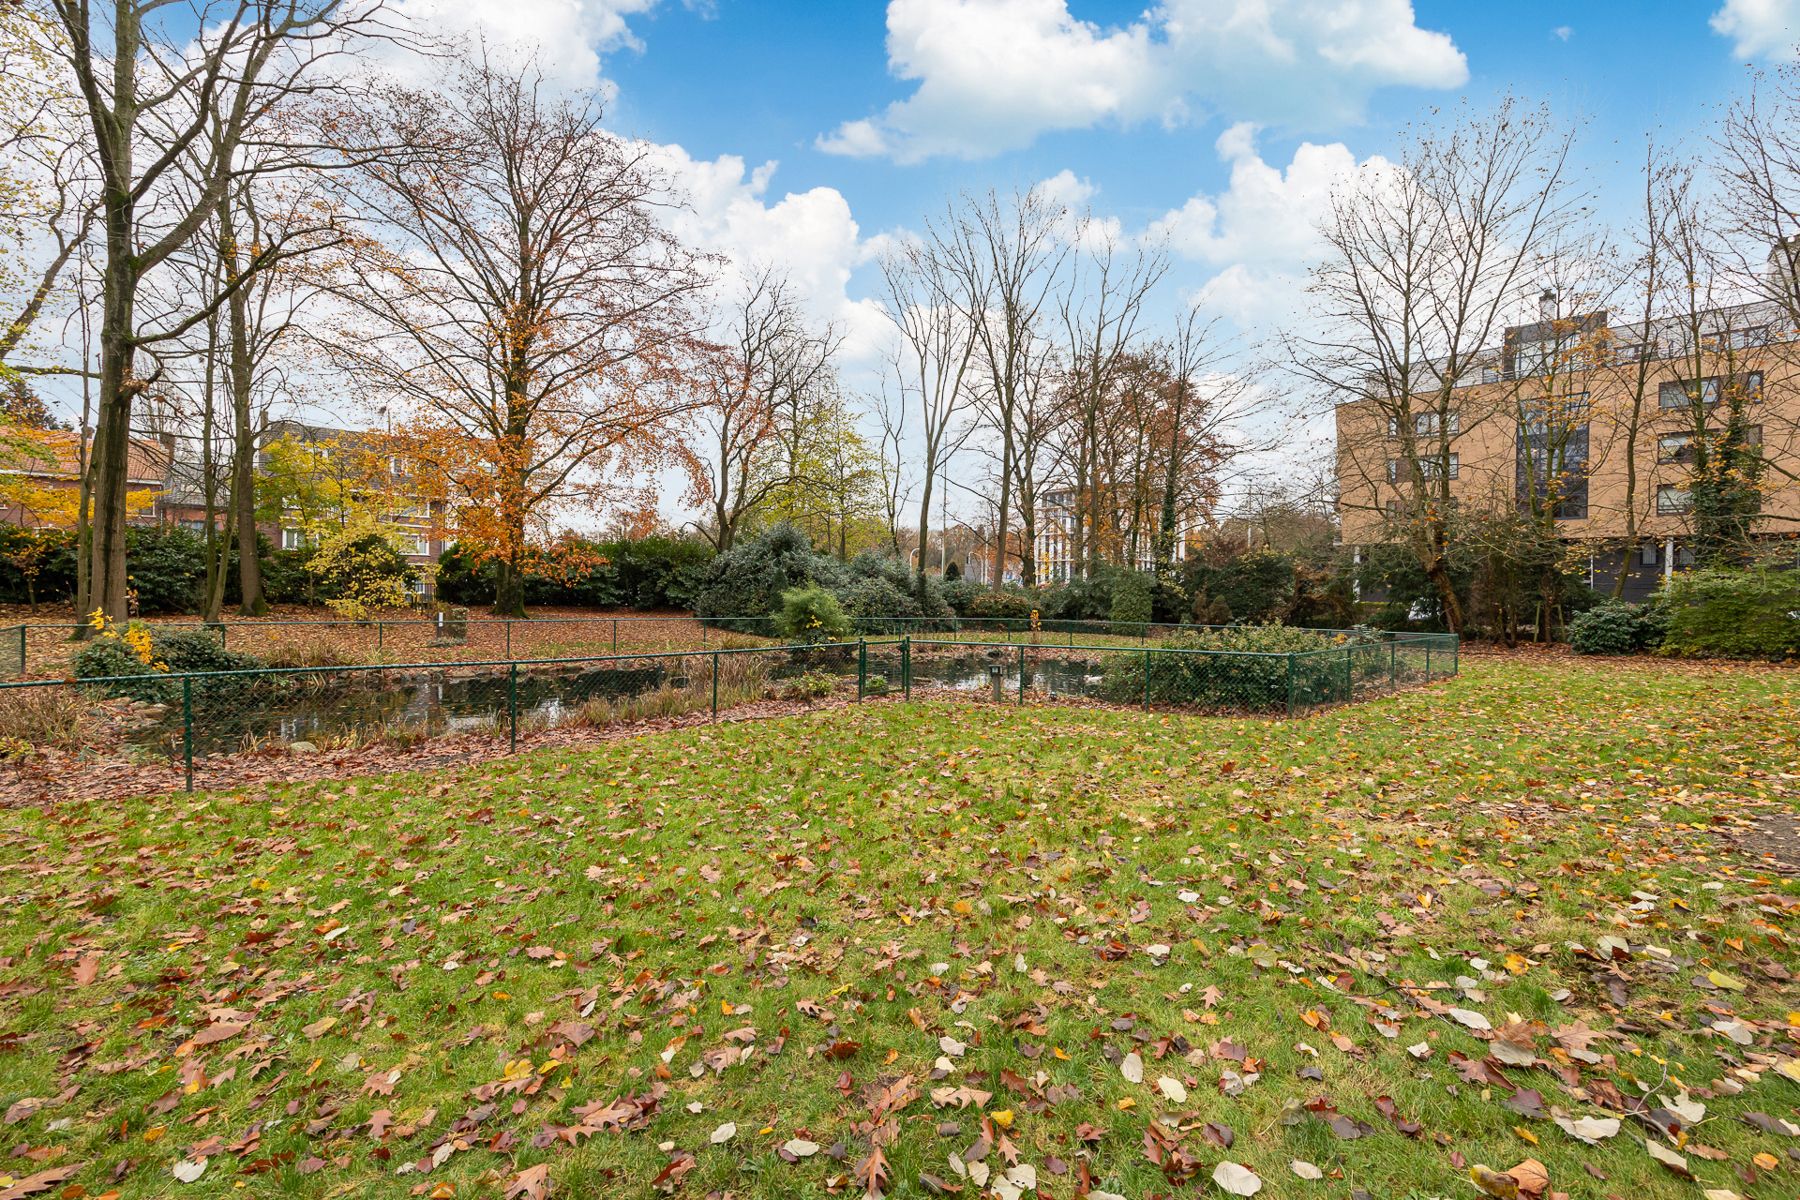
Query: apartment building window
point(413, 543)
point(1675, 448)
point(1753, 435)
point(1681, 393)
point(1430, 468)
point(1633, 352)
point(1673, 500)
point(1745, 339)
point(1427, 424)
point(293, 539)
point(1552, 460)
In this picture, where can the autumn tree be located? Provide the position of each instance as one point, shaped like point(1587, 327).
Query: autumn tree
point(1102, 314)
point(526, 303)
point(158, 83)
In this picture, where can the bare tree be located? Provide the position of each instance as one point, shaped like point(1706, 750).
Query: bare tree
point(160, 82)
point(928, 303)
point(1423, 265)
point(1007, 258)
point(529, 306)
point(1102, 313)
point(761, 388)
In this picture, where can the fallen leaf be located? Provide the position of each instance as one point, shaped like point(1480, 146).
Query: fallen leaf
point(1236, 1179)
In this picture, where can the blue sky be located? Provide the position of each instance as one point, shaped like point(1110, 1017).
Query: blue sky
point(780, 85)
point(805, 132)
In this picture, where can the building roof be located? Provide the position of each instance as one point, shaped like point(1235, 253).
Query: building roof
point(58, 457)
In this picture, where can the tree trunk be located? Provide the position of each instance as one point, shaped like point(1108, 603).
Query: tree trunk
point(112, 430)
point(243, 464)
point(509, 591)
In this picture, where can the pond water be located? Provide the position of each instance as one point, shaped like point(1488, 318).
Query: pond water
point(435, 703)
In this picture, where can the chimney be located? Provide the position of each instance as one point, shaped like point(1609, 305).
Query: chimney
point(1547, 305)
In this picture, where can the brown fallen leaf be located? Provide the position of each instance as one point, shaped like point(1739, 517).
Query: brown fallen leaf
point(533, 1183)
point(43, 1181)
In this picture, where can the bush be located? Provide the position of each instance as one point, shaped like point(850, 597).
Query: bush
point(1079, 599)
point(1133, 603)
point(144, 656)
point(1232, 677)
point(36, 565)
point(1612, 627)
point(166, 568)
point(361, 572)
point(814, 685)
point(959, 594)
point(1007, 605)
point(875, 685)
point(871, 598)
point(811, 615)
point(1724, 613)
point(1255, 586)
point(748, 580)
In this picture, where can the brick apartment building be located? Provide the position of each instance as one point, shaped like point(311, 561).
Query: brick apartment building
point(166, 481)
point(1598, 424)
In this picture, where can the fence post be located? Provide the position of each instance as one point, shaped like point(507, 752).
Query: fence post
point(22, 663)
point(616, 635)
point(715, 658)
point(906, 665)
point(1021, 674)
point(1427, 662)
point(509, 637)
point(378, 635)
point(512, 697)
point(1146, 681)
point(187, 727)
point(223, 630)
point(1349, 676)
point(1290, 682)
point(862, 667)
point(1393, 664)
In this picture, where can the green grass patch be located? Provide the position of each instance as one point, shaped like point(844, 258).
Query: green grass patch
point(898, 932)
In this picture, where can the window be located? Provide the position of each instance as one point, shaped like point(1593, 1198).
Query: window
point(1753, 435)
point(1428, 466)
point(1673, 500)
point(1675, 448)
point(1647, 554)
point(1681, 393)
point(1633, 352)
point(1744, 339)
point(1426, 424)
point(1551, 460)
point(413, 543)
point(293, 539)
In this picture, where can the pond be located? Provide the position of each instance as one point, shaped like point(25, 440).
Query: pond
point(433, 703)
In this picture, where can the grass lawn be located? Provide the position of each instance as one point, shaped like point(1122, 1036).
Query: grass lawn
point(1073, 949)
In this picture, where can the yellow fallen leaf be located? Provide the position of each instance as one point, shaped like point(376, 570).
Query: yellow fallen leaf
point(1497, 1184)
point(1003, 1118)
point(1765, 1160)
point(1525, 1134)
point(1722, 980)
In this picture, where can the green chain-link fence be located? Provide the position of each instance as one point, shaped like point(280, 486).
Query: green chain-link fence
point(196, 715)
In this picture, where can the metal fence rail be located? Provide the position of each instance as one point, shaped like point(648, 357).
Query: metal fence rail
point(199, 714)
point(477, 638)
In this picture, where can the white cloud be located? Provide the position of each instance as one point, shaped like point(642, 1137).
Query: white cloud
point(1563, 33)
point(809, 235)
point(1261, 232)
point(565, 38)
point(994, 74)
point(1759, 28)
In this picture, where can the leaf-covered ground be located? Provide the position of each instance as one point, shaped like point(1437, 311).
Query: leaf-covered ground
point(917, 948)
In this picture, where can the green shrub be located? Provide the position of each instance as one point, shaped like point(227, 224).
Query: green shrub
point(1006, 605)
point(166, 568)
point(873, 601)
point(809, 616)
point(1248, 669)
point(173, 650)
point(876, 685)
point(1256, 586)
point(959, 594)
point(814, 685)
point(748, 580)
point(1079, 599)
point(36, 565)
point(1610, 627)
point(1725, 613)
point(1133, 603)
